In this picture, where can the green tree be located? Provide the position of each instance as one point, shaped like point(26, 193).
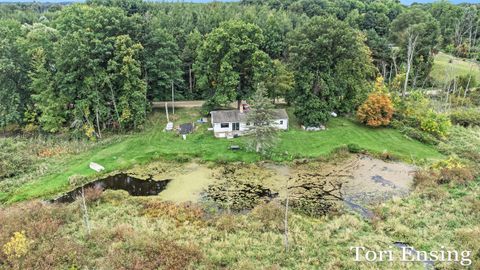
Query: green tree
point(162, 64)
point(230, 62)
point(126, 78)
point(332, 68)
point(189, 56)
point(447, 14)
point(280, 82)
point(416, 32)
point(47, 101)
point(14, 94)
point(262, 133)
point(275, 29)
point(88, 36)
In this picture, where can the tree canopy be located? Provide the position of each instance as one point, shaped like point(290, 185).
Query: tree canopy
point(95, 66)
point(332, 67)
point(230, 62)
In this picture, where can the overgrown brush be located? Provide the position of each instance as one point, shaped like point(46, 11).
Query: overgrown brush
point(16, 157)
point(150, 252)
point(449, 171)
point(181, 213)
point(466, 118)
point(464, 142)
point(47, 247)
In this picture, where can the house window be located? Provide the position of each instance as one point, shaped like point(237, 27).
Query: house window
point(224, 125)
point(236, 126)
point(281, 122)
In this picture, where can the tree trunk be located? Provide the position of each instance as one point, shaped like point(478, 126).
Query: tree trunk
point(190, 80)
point(98, 122)
point(412, 40)
point(384, 68)
point(114, 102)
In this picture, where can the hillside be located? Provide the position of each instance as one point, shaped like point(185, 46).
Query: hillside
point(446, 67)
point(156, 144)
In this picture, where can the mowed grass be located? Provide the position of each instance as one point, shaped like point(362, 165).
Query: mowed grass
point(444, 71)
point(155, 144)
point(342, 131)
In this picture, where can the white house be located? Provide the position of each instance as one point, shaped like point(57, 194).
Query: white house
point(230, 123)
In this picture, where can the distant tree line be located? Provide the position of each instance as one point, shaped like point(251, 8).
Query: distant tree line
point(97, 66)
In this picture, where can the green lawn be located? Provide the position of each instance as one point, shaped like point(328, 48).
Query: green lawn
point(155, 144)
point(442, 67)
point(342, 131)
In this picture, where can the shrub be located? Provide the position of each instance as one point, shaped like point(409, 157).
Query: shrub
point(354, 148)
point(431, 178)
point(458, 101)
point(77, 180)
point(17, 247)
point(466, 118)
point(420, 135)
point(227, 222)
point(456, 175)
point(467, 238)
point(93, 194)
point(376, 111)
point(435, 123)
point(415, 112)
point(40, 238)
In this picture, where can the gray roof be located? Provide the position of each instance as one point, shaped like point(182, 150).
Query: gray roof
point(234, 116)
point(280, 114)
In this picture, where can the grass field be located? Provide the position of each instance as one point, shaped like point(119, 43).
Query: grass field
point(457, 67)
point(155, 144)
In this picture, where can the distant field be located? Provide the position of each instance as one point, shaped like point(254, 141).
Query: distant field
point(442, 67)
point(155, 144)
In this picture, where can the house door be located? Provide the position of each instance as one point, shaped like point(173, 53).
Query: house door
point(236, 126)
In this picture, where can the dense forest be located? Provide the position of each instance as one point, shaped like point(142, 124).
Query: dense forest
point(87, 68)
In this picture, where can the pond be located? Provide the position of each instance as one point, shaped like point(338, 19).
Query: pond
point(134, 187)
point(356, 181)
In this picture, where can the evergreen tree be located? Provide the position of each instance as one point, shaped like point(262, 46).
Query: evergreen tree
point(262, 134)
